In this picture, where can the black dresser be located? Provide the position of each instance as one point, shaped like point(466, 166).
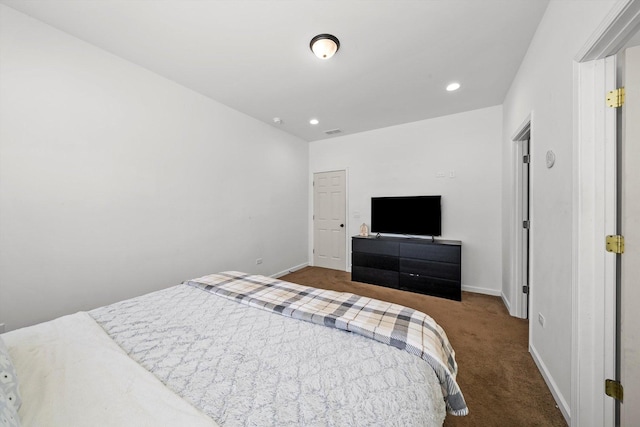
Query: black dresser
point(416, 265)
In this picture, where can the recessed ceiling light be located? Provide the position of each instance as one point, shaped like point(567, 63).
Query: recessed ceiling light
point(314, 121)
point(453, 86)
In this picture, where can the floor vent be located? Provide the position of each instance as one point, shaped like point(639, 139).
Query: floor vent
point(332, 131)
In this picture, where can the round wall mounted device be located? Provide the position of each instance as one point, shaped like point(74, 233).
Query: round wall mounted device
point(551, 159)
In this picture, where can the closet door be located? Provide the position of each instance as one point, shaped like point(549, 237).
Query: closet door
point(329, 220)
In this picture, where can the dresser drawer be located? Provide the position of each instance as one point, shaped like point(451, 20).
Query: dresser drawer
point(440, 270)
point(376, 246)
point(375, 276)
point(432, 252)
point(382, 262)
point(430, 286)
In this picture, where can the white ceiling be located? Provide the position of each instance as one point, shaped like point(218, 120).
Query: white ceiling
point(395, 59)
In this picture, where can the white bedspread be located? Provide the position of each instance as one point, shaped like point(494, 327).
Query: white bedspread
point(67, 365)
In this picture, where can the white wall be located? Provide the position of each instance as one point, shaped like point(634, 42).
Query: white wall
point(115, 181)
point(543, 88)
point(405, 160)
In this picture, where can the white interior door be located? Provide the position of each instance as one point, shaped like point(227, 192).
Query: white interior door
point(630, 288)
point(329, 220)
point(522, 184)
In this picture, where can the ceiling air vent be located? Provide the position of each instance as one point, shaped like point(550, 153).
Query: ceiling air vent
point(332, 131)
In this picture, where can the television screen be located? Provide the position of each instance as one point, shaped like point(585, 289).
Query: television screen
point(417, 215)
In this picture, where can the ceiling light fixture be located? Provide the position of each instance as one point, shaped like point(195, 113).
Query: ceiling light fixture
point(324, 46)
point(453, 86)
point(314, 121)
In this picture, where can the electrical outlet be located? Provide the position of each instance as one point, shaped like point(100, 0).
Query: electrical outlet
point(452, 174)
point(541, 319)
point(259, 261)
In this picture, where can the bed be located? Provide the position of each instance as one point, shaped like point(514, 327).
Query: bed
point(234, 349)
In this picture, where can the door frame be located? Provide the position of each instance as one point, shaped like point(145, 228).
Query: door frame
point(593, 279)
point(312, 244)
point(593, 284)
point(518, 299)
point(628, 345)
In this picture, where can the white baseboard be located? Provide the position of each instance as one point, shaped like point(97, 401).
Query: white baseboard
point(290, 270)
point(506, 302)
point(485, 291)
point(562, 403)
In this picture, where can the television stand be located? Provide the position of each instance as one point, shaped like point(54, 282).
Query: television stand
point(431, 267)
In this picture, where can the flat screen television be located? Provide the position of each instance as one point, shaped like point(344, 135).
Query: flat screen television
point(415, 215)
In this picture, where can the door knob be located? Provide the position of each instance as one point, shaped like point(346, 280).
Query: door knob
point(341, 225)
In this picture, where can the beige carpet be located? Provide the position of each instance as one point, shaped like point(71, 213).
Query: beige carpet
point(498, 377)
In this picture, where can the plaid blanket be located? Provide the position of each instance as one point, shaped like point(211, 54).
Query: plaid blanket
point(393, 324)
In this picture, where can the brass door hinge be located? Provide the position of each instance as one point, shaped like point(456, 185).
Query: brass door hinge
point(615, 98)
point(614, 389)
point(615, 244)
